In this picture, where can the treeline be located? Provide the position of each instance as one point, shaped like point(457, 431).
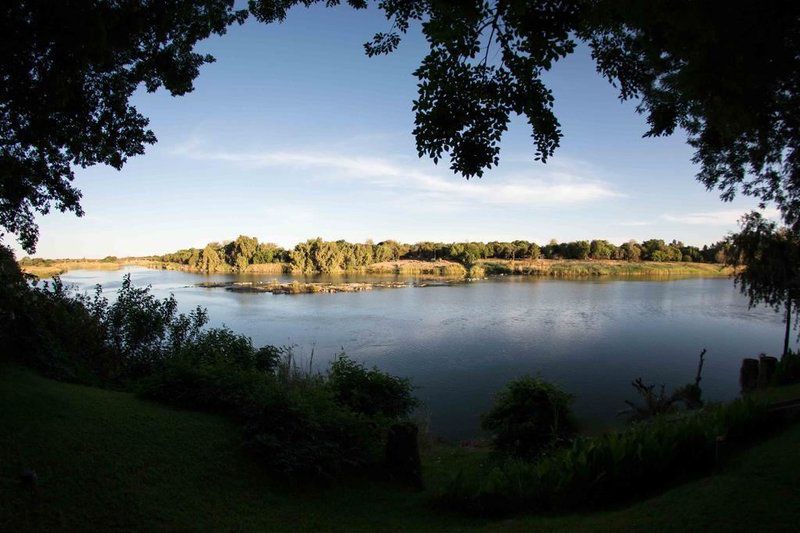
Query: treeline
point(317, 255)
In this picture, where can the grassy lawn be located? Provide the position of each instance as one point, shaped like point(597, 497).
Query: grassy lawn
point(107, 460)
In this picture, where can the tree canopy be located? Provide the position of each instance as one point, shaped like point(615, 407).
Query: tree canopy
point(68, 70)
point(725, 73)
point(771, 260)
point(728, 74)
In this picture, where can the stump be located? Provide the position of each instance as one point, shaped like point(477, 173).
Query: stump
point(748, 375)
point(402, 454)
point(766, 370)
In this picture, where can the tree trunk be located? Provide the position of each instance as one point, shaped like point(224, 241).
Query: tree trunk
point(788, 327)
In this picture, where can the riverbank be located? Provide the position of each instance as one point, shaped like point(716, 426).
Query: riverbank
point(555, 268)
point(114, 461)
point(599, 268)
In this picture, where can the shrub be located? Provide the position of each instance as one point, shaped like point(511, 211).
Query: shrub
point(144, 330)
point(369, 391)
point(309, 435)
point(787, 370)
point(298, 423)
point(644, 457)
point(68, 342)
point(529, 417)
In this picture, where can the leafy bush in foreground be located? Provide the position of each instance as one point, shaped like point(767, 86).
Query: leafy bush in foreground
point(298, 423)
point(369, 391)
point(787, 371)
point(609, 468)
point(529, 417)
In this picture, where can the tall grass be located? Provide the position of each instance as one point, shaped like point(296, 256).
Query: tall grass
point(579, 269)
point(610, 468)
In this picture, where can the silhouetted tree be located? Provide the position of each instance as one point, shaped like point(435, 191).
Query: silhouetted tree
point(727, 74)
point(68, 70)
point(771, 260)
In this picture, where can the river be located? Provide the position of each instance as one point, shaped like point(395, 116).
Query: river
point(460, 343)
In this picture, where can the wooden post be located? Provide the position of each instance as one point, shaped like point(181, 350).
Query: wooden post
point(748, 375)
point(788, 327)
point(766, 369)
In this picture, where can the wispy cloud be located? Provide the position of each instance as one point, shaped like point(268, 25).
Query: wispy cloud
point(725, 217)
point(634, 223)
point(552, 185)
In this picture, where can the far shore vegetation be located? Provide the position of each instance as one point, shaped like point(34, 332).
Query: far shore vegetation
point(653, 257)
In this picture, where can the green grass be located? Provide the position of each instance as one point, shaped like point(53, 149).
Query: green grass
point(107, 460)
point(595, 268)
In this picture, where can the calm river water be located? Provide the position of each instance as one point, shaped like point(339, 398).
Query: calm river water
point(459, 344)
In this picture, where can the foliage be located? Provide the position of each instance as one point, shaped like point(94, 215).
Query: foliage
point(771, 260)
point(320, 256)
point(609, 468)
point(529, 417)
point(297, 423)
point(486, 62)
point(69, 70)
point(369, 391)
point(67, 92)
point(787, 371)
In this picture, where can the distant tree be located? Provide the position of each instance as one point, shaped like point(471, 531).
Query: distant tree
point(551, 250)
point(651, 246)
point(211, 260)
point(629, 251)
point(239, 253)
point(364, 254)
point(268, 253)
point(770, 257)
point(578, 250)
point(383, 252)
point(301, 256)
point(601, 249)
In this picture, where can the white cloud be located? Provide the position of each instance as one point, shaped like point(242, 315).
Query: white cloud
point(725, 217)
point(553, 185)
point(634, 223)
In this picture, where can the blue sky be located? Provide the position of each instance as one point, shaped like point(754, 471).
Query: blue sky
point(294, 133)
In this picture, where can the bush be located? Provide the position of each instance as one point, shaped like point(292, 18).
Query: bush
point(369, 392)
point(307, 434)
point(613, 467)
point(68, 342)
point(529, 417)
point(297, 423)
point(787, 370)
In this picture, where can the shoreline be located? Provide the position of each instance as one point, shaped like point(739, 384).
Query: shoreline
point(542, 268)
